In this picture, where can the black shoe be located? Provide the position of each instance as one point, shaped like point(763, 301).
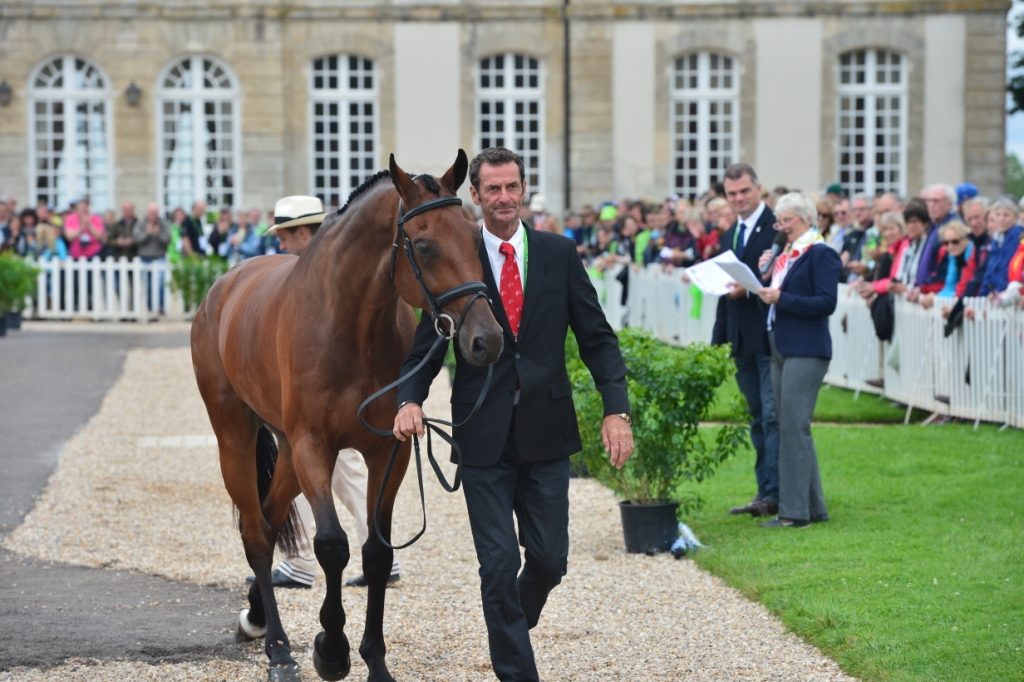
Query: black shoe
point(780, 522)
point(764, 508)
point(279, 579)
point(746, 508)
point(360, 580)
point(821, 518)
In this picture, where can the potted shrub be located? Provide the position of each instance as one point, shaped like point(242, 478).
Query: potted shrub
point(192, 278)
point(671, 389)
point(17, 282)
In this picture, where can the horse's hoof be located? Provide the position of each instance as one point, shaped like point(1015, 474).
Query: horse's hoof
point(326, 668)
point(246, 631)
point(285, 672)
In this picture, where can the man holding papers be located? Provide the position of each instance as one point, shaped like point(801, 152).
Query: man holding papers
point(741, 321)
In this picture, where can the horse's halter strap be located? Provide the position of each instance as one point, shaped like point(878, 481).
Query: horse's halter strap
point(473, 289)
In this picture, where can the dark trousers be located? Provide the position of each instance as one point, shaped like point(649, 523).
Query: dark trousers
point(537, 493)
point(753, 374)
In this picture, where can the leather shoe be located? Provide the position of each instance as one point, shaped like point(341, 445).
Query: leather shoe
point(360, 580)
point(821, 518)
point(764, 508)
point(744, 509)
point(780, 522)
point(279, 579)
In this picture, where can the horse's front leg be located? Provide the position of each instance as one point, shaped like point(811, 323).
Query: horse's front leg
point(314, 465)
point(377, 557)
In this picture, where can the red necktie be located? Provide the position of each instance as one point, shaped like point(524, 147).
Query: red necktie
point(511, 287)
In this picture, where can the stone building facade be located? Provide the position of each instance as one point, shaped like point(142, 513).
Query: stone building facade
point(242, 101)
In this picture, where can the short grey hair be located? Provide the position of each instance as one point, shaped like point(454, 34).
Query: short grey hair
point(863, 197)
point(1004, 202)
point(800, 205)
point(948, 191)
point(976, 201)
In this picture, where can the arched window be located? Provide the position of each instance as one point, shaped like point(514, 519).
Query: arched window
point(509, 111)
point(343, 112)
point(197, 120)
point(70, 152)
point(872, 122)
point(704, 120)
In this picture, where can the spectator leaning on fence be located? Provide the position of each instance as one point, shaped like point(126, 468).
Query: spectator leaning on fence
point(893, 229)
point(1005, 235)
point(84, 231)
point(941, 201)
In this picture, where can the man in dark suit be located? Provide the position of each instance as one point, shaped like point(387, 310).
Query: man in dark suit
point(741, 322)
point(515, 450)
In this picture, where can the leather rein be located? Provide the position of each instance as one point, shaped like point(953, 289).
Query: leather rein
point(447, 328)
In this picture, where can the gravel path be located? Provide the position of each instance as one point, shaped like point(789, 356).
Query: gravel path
point(139, 488)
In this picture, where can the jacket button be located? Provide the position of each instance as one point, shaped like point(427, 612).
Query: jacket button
point(517, 356)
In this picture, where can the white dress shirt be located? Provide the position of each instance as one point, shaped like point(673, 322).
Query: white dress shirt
point(497, 259)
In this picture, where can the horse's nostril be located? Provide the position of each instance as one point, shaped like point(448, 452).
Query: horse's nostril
point(479, 348)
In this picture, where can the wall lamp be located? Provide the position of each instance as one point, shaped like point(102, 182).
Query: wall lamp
point(6, 94)
point(133, 94)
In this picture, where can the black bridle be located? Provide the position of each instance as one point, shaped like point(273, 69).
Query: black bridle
point(474, 290)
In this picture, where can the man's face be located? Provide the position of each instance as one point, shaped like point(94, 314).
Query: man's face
point(499, 196)
point(862, 213)
point(743, 195)
point(938, 204)
point(974, 216)
point(254, 216)
point(128, 209)
point(1000, 219)
point(841, 211)
point(295, 239)
point(886, 204)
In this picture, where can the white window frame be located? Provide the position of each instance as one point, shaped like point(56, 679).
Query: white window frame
point(509, 96)
point(343, 96)
point(198, 96)
point(873, 92)
point(705, 96)
point(71, 97)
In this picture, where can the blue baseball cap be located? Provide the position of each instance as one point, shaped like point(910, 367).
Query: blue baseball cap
point(965, 191)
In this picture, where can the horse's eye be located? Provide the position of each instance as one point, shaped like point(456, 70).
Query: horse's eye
point(425, 249)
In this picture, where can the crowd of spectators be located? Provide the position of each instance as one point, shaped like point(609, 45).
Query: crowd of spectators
point(944, 244)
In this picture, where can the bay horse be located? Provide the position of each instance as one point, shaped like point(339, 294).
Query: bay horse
point(289, 345)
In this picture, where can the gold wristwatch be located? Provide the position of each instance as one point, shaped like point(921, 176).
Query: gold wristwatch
point(625, 417)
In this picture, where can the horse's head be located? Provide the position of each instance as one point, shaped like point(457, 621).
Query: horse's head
point(438, 266)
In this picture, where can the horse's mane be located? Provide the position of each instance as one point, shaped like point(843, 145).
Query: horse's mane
point(361, 189)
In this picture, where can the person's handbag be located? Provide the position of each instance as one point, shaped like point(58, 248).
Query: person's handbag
point(955, 319)
point(883, 314)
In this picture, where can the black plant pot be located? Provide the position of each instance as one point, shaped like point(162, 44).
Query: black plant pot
point(14, 320)
point(649, 528)
point(3, 325)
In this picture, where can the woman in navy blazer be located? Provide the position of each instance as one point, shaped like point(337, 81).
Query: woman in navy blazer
point(801, 296)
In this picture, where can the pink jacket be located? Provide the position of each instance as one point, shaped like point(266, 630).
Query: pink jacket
point(89, 246)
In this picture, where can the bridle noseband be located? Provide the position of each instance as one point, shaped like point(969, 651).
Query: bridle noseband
point(474, 290)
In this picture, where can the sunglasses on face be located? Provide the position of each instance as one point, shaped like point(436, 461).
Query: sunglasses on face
point(824, 215)
point(951, 242)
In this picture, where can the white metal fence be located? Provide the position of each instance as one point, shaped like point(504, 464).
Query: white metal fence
point(976, 373)
point(107, 289)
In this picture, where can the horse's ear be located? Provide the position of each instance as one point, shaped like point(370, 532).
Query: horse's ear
point(456, 175)
point(403, 183)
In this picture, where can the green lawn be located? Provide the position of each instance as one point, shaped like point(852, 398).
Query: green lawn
point(920, 573)
point(834, 405)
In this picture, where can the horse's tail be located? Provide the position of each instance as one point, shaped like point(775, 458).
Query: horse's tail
point(266, 460)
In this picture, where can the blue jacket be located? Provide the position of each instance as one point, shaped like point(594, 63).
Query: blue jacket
point(808, 296)
point(997, 267)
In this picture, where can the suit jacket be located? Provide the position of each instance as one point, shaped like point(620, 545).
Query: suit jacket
point(741, 322)
point(807, 298)
point(558, 295)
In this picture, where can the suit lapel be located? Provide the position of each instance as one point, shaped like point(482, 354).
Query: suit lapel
point(536, 266)
point(492, 291)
